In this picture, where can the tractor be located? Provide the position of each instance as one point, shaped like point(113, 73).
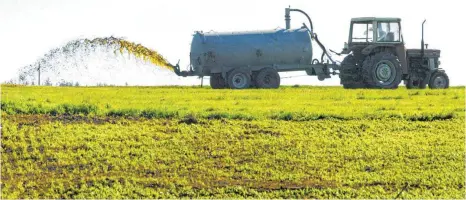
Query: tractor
point(377, 58)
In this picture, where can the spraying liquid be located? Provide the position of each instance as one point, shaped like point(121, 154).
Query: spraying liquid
point(76, 53)
point(141, 52)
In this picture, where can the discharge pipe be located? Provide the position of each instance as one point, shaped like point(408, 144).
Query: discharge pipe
point(177, 70)
point(288, 18)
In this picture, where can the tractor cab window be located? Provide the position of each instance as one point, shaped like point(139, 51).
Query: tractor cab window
point(362, 32)
point(388, 32)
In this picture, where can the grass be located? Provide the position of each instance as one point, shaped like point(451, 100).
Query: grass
point(183, 142)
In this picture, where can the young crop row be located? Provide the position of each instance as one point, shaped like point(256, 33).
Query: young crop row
point(289, 104)
point(307, 115)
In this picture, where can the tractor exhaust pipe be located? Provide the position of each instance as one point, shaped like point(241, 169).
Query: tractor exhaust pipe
point(422, 40)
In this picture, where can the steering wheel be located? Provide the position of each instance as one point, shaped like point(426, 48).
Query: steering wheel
point(382, 36)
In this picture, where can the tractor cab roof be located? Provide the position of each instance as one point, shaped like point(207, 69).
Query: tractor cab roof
point(367, 19)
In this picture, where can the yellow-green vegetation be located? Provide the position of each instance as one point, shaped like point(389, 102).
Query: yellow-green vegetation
point(293, 142)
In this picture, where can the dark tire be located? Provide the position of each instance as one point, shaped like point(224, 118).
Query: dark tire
point(439, 80)
point(346, 69)
point(354, 85)
point(415, 84)
point(239, 79)
point(350, 74)
point(417, 75)
point(267, 78)
point(422, 86)
point(382, 70)
point(217, 81)
point(253, 80)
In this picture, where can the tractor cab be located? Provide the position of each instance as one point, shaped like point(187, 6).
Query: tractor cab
point(372, 30)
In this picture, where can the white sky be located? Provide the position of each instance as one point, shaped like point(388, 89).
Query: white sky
point(30, 28)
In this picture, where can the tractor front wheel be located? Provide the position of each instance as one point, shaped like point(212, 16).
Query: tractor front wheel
point(439, 80)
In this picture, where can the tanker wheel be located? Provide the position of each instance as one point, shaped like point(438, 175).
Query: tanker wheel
point(382, 70)
point(239, 79)
point(267, 78)
point(253, 80)
point(439, 80)
point(217, 81)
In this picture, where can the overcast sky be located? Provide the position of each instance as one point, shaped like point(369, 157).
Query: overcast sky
point(30, 28)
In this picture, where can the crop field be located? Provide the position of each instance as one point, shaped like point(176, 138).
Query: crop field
point(191, 142)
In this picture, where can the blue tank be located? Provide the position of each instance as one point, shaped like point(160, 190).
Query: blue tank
point(280, 48)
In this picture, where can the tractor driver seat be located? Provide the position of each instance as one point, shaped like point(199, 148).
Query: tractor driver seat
point(390, 37)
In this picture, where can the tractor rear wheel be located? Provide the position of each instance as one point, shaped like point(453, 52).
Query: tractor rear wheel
point(439, 80)
point(382, 70)
point(217, 81)
point(239, 79)
point(350, 76)
point(267, 78)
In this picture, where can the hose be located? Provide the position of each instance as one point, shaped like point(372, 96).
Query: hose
point(324, 50)
point(314, 35)
point(308, 18)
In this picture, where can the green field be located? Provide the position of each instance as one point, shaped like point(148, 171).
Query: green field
point(188, 142)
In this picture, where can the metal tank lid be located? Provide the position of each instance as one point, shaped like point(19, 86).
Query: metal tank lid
point(215, 33)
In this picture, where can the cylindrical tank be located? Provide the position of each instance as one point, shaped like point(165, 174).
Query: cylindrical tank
point(213, 52)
